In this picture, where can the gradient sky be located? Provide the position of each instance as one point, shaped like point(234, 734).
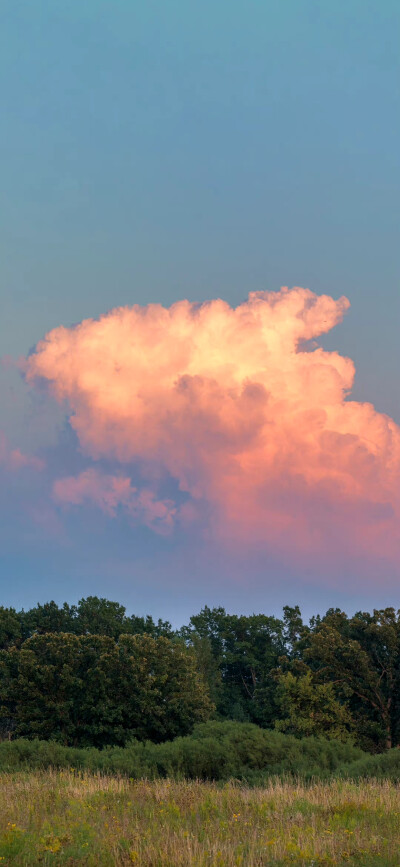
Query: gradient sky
point(152, 152)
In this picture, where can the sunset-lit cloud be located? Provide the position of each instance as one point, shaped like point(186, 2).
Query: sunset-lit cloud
point(241, 410)
point(13, 459)
point(110, 493)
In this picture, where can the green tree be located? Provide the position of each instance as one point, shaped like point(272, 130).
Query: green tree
point(312, 708)
point(170, 696)
point(10, 627)
point(92, 616)
point(8, 678)
point(91, 690)
point(360, 656)
point(294, 631)
point(245, 650)
point(207, 665)
point(48, 618)
point(99, 616)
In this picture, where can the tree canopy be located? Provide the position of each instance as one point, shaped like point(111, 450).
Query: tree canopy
point(91, 674)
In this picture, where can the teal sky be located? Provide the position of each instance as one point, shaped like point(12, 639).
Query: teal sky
point(152, 151)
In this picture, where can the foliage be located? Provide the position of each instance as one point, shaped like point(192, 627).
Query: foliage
point(92, 690)
point(10, 627)
point(91, 616)
point(385, 766)
point(214, 751)
point(69, 672)
point(361, 656)
point(244, 651)
point(311, 708)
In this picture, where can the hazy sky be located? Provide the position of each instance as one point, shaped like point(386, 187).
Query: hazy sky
point(152, 152)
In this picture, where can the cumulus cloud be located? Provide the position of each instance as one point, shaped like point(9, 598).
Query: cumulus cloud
point(236, 407)
point(13, 459)
point(110, 493)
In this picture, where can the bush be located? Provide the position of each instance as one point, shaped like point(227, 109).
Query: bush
point(214, 751)
point(385, 766)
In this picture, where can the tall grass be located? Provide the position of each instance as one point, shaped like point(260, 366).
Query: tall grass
point(72, 817)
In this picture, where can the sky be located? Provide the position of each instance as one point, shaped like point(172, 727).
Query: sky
point(175, 428)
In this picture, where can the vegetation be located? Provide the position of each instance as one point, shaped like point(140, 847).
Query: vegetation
point(231, 741)
point(68, 817)
point(90, 675)
point(214, 751)
point(90, 689)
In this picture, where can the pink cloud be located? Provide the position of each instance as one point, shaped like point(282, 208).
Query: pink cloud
point(14, 459)
point(109, 493)
point(228, 402)
point(10, 362)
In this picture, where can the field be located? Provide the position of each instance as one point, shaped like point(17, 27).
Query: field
point(68, 817)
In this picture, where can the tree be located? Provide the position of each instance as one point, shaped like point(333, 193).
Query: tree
point(361, 658)
point(245, 650)
point(47, 618)
point(8, 677)
point(99, 616)
point(171, 694)
point(294, 631)
point(91, 690)
point(10, 627)
point(312, 708)
point(92, 616)
point(207, 665)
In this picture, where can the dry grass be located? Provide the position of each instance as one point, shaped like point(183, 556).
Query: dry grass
point(66, 818)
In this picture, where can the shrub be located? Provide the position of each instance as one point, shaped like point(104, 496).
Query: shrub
point(385, 766)
point(214, 751)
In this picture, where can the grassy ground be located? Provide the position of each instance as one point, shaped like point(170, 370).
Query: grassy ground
point(67, 818)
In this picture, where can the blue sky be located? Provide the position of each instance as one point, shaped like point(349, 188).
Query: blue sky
point(156, 151)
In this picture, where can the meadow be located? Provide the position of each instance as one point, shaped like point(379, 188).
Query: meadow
point(68, 817)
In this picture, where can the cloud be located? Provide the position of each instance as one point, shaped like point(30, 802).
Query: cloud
point(110, 493)
point(10, 362)
point(13, 459)
point(236, 407)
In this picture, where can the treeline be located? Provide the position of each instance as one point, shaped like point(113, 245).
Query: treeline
point(89, 675)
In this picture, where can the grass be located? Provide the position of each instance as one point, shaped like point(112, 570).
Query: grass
point(68, 817)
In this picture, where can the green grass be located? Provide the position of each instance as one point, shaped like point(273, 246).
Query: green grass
point(70, 817)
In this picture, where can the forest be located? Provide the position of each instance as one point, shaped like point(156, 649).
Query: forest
point(90, 675)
